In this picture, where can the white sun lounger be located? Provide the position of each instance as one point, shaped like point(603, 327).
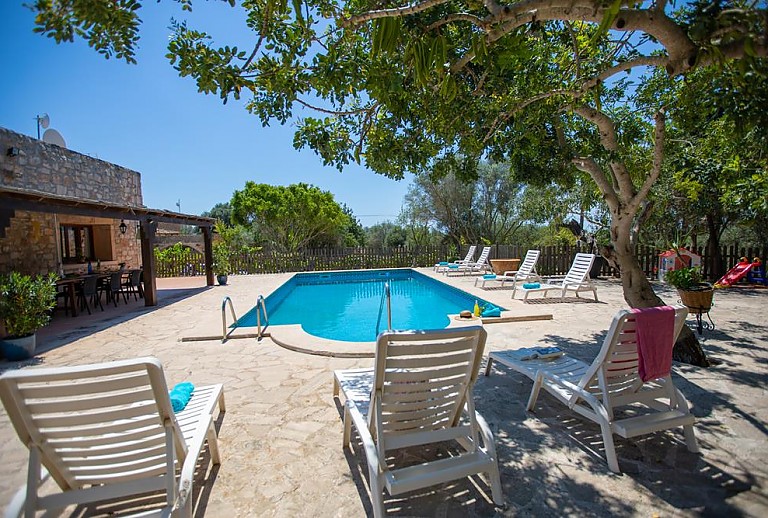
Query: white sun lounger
point(478, 266)
point(576, 280)
point(526, 272)
point(611, 382)
point(470, 257)
point(107, 431)
point(419, 392)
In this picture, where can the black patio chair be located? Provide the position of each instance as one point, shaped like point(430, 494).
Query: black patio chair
point(88, 293)
point(62, 292)
point(133, 285)
point(115, 287)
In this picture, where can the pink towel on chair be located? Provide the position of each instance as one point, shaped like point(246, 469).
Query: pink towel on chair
point(655, 339)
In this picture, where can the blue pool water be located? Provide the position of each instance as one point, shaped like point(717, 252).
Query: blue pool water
point(345, 305)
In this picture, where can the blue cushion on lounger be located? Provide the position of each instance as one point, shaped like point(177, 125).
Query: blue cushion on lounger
point(453, 266)
point(443, 263)
point(489, 276)
point(491, 311)
point(180, 395)
point(531, 285)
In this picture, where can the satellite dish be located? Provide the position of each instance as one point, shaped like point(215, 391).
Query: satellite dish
point(45, 121)
point(52, 136)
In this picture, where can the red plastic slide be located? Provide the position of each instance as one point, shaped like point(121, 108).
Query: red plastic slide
point(734, 275)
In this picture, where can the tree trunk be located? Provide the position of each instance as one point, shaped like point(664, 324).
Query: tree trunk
point(714, 254)
point(639, 293)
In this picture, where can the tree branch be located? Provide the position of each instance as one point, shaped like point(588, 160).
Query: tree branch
point(471, 18)
point(503, 117)
point(589, 166)
point(334, 112)
point(605, 126)
point(575, 43)
point(609, 140)
point(659, 134)
point(359, 19)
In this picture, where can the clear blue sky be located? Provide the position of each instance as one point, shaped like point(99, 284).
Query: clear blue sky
point(186, 145)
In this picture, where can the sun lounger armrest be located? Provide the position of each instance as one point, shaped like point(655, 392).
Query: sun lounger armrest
point(360, 422)
point(187, 475)
point(577, 391)
point(485, 432)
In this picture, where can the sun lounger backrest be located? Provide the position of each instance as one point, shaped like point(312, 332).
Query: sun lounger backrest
point(529, 262)
point(422, 381)
point(470, 254)
point(483, 258)
point(94, 424)
point(614, 372)
point(579, 270)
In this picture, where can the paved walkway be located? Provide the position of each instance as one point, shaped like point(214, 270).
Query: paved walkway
point(281, 436)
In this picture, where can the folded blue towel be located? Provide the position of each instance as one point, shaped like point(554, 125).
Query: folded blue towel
point(443, 263)
point(489, 276)
point(531, 285)
point(180, 395)
point(491, 311)
point(453, 266)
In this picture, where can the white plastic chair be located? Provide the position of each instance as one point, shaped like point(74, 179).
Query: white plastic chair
point(576, 280)
point(419, 392)
point(611, 382)
point(525, 273)
point(107, 431)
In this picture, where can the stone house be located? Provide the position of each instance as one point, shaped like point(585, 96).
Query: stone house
point(60, 209)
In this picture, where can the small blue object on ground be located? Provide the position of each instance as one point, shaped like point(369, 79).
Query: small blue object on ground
point(531, 285)
point(180, 395)
point(489, 276)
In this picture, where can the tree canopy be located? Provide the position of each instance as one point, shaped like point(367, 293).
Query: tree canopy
point(290, 218)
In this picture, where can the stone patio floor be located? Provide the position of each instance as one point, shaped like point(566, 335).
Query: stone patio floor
point(281, 435)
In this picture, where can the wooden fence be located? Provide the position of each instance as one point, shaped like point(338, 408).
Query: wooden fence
point(554, 260)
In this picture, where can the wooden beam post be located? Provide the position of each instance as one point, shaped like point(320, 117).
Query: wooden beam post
point(148, 260)
point(208, 241)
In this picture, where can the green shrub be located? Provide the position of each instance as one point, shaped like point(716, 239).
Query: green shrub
point(25, 302)
point(684, 278)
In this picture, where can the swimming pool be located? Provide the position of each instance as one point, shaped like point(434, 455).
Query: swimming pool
point(345, 306)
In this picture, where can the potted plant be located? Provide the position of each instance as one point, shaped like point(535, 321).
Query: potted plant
point(221, 263)
point(694, 292)
point(25, 305)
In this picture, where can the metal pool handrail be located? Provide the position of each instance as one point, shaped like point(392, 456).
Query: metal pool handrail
point(385, 294)
point(261, 303)
point(224, 334)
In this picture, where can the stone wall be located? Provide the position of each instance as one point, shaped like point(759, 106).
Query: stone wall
point(30, 243)
point(48, 168)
